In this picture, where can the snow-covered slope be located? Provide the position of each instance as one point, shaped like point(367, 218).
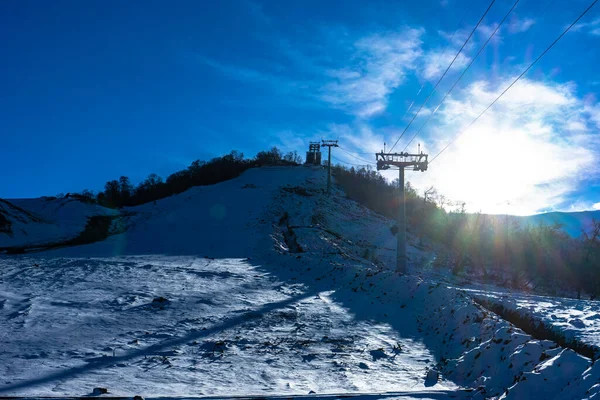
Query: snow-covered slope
point(31, 222)
point(261, 285)
point(223, 220)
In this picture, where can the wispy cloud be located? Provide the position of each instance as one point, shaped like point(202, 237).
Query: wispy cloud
point(287, 140)
point(292, 91)
point(593, 110)
point(457, 38)
point(518, 25)
point(485, 31)
point(592, 27)
point(435, 62)
point(380, 64)
point(250, 75)
point(360, 136)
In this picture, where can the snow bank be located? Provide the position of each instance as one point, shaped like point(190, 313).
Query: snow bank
point(576, 323)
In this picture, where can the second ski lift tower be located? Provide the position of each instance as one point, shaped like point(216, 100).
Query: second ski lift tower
point(401, 160)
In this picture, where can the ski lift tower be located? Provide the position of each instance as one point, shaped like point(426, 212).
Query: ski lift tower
point(313, 155)
point(401, 160)
point(329, 144)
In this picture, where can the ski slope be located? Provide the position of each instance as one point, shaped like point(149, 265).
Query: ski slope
point(225, 327)
point(261, 285)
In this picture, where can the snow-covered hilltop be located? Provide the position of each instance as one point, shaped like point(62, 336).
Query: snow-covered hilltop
point(261, 285)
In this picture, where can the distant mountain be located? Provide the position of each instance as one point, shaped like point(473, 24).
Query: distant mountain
point(572, 222)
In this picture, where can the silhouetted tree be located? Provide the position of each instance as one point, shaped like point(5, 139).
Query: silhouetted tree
point(125, 190)
point(87, 196)
point(112, 194)
point(271, 157)
point(292, 157)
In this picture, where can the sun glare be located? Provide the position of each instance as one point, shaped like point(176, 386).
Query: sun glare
point(503, 169)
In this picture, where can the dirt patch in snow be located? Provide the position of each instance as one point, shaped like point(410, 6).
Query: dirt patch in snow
point(289, 236)
point(5, 224)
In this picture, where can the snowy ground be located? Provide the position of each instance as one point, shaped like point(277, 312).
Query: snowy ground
point(226, 326)
point(575, 319)
point(260, 285)
point(261, 323)
point(45, 220)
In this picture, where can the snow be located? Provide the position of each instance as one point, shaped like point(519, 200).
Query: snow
point(237, 317)
point(572, 318)
point(263, 285)
point(46, 220)
point(228, 326)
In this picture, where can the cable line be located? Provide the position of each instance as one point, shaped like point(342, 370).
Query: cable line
point(515, 81)
point(463, 74)
point(346, 162)
point(444, 74)
point(358, 158)
point(438, 60)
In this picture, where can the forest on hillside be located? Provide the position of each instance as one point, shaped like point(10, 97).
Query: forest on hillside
point(121, 192)
point(495, 249)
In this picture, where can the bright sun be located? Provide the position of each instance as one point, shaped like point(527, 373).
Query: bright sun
point(502, 170)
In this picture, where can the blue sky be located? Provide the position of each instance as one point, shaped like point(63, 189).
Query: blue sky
point(97, 89)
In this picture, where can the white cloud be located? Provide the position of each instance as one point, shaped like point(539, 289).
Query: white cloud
point(581, 205)
point(522, 156)
point(593, 110)
point(381, 63)
point(592, 27)
point(485, 31)
point(435, 63)
point(293, 92)
point(596, 206)
point(457, 38)
point(287, 140)
point(247, 74)
point(358, 137)
point(518, 25)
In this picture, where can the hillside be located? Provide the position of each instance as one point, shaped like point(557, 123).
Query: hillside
point(572, 222)
point(43, 221)
point(263, 285)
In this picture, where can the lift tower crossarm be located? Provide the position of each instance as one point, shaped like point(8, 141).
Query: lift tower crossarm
point(419, 162)
point(402, 160)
